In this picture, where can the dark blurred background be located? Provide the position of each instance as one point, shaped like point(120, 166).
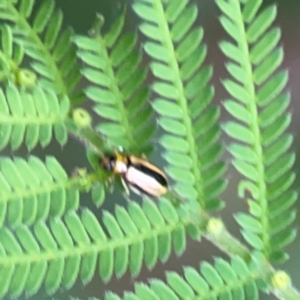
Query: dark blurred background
point(80, 15)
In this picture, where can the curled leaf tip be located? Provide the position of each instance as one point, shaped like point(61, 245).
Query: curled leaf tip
point(247, 186)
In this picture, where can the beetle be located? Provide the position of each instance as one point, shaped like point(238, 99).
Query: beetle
point(137, 174)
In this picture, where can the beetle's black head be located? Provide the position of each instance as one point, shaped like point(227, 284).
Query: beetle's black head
point(108, 162)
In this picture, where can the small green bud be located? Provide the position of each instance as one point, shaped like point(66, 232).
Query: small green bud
point(281, 280)
point(25, 78)
point(81, 117)
point(215, 226)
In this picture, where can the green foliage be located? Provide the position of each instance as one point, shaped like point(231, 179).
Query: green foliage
point(261, 153)
point(53, 56)
point(32, 190)
point(223, 281)
point(57, 252)
point(183, 99)
point(31, 117)
point(113, 67)
point(47, 240)
point(11, 56)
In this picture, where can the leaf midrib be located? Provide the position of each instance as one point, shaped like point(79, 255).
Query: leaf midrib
point(116, 91)
point(31, 120)
point(182, 101)
point(22, 23)
point(43, 188)
point(254, 125)
point(82, 249)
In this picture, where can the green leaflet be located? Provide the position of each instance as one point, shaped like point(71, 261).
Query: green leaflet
point(175, 48)
point(98, 194)
point(261, 23)
point(238, 111)
point(223, 280)
point(52, 54)
point(125, 221)
point(136, 257)
point(265, 69)
point(79, 239)
point(7, 41)
point(249, 222)
point(162, 290)
point(236, 91)
point(238, 132)
point(63, 245)
point(164, 246)
point(231, 51)
point(32, 190)
point(143, 290)
point(243, 153)
point(11, 57)
point(179, 285)
point(117, 87)
point(31, 117)
point(266, 44)
point(179, 240)
point(261, 147)
point(174, 9)
point(184, 23)
point(43, 16)
point(151, 256)
point(236, 71)
point(156, 51)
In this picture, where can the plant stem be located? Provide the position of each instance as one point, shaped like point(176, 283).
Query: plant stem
point(87, 136)
point(230, 245)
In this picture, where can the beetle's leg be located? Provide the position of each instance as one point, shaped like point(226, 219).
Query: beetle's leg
point(109, 183)
point(120, 149)
point(79, 172)
point(144, 156)
point(125, 186)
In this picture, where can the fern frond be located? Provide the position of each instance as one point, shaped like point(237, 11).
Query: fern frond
point(59, 252)
point(112, 65)
point(32, 190)
point(31, 117)
point(11, 57)
point(52, 52)
point(224, 280)
point(261, 151)
point(183, 99)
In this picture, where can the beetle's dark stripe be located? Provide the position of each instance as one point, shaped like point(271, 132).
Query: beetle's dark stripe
point(158, 177)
